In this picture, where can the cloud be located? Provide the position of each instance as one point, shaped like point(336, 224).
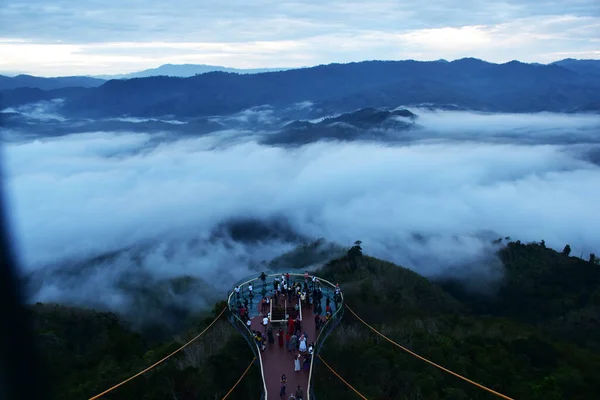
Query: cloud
point(433, 203)
point(86, 38)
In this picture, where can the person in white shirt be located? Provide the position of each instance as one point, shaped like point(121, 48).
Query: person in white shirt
point(237, 291)
point(250, 288)
point(265, 322)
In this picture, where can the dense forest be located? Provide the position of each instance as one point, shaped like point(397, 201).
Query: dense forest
point(534, 335)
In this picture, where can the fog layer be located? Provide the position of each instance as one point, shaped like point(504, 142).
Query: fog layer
point(432, 202)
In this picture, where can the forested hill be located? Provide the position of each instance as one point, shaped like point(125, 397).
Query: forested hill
point(467, 83)
point(28, 81)
point(532, 337)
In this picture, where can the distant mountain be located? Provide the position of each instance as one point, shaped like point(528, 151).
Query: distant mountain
point(28, 81)
point(464, 84)
point(349, 126)
point(186, 70)
point(585, 67)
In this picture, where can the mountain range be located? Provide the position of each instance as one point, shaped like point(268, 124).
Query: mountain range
point(29, 81)
point(186, 70)
point(565, 86)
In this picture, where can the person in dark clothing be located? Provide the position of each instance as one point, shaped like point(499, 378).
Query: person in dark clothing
point(270, 336)
point(299, 394)
point(283, 385)
point(263, 304)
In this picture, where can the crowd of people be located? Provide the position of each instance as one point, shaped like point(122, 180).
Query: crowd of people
point(289, 335)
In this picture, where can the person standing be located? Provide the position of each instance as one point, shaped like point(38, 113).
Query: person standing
point(297, 367)
point(293, 343)
point(302, 346)
point(270, 335)
point(263, 304)
point(283, 382)
point(299, 394)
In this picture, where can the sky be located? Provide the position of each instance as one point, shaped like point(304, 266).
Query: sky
point(96, 37)
point(432, 204)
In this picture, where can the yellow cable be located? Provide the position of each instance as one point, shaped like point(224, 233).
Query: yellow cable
point(427, 361)
point(342, 379)
point(239, 380)
point(160, 361)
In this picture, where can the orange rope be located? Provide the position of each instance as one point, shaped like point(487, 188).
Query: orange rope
point(160, 361)
point(239, 380)
point(342, 379)
point(427, 361)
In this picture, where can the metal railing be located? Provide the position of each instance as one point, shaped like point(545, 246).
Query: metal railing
point(327, 289)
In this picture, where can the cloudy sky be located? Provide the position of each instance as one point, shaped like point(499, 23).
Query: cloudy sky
point(103, 37)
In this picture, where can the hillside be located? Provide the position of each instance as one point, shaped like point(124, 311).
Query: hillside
point(584, 67)
point(504, 343)
point(466, 83)
point(355, 125)
point(28, 81)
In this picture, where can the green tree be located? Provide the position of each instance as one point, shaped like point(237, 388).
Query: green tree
point(355, 251)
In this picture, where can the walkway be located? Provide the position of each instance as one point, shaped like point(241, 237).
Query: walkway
point(278, 360)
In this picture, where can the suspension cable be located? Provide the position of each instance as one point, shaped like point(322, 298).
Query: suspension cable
point(342, 379)
point(160, 361)
point(239, 380)
point(428, 361)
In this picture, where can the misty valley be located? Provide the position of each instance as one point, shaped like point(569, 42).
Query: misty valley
point(470, 188)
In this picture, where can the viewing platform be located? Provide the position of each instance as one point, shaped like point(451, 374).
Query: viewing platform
point(299, 309)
